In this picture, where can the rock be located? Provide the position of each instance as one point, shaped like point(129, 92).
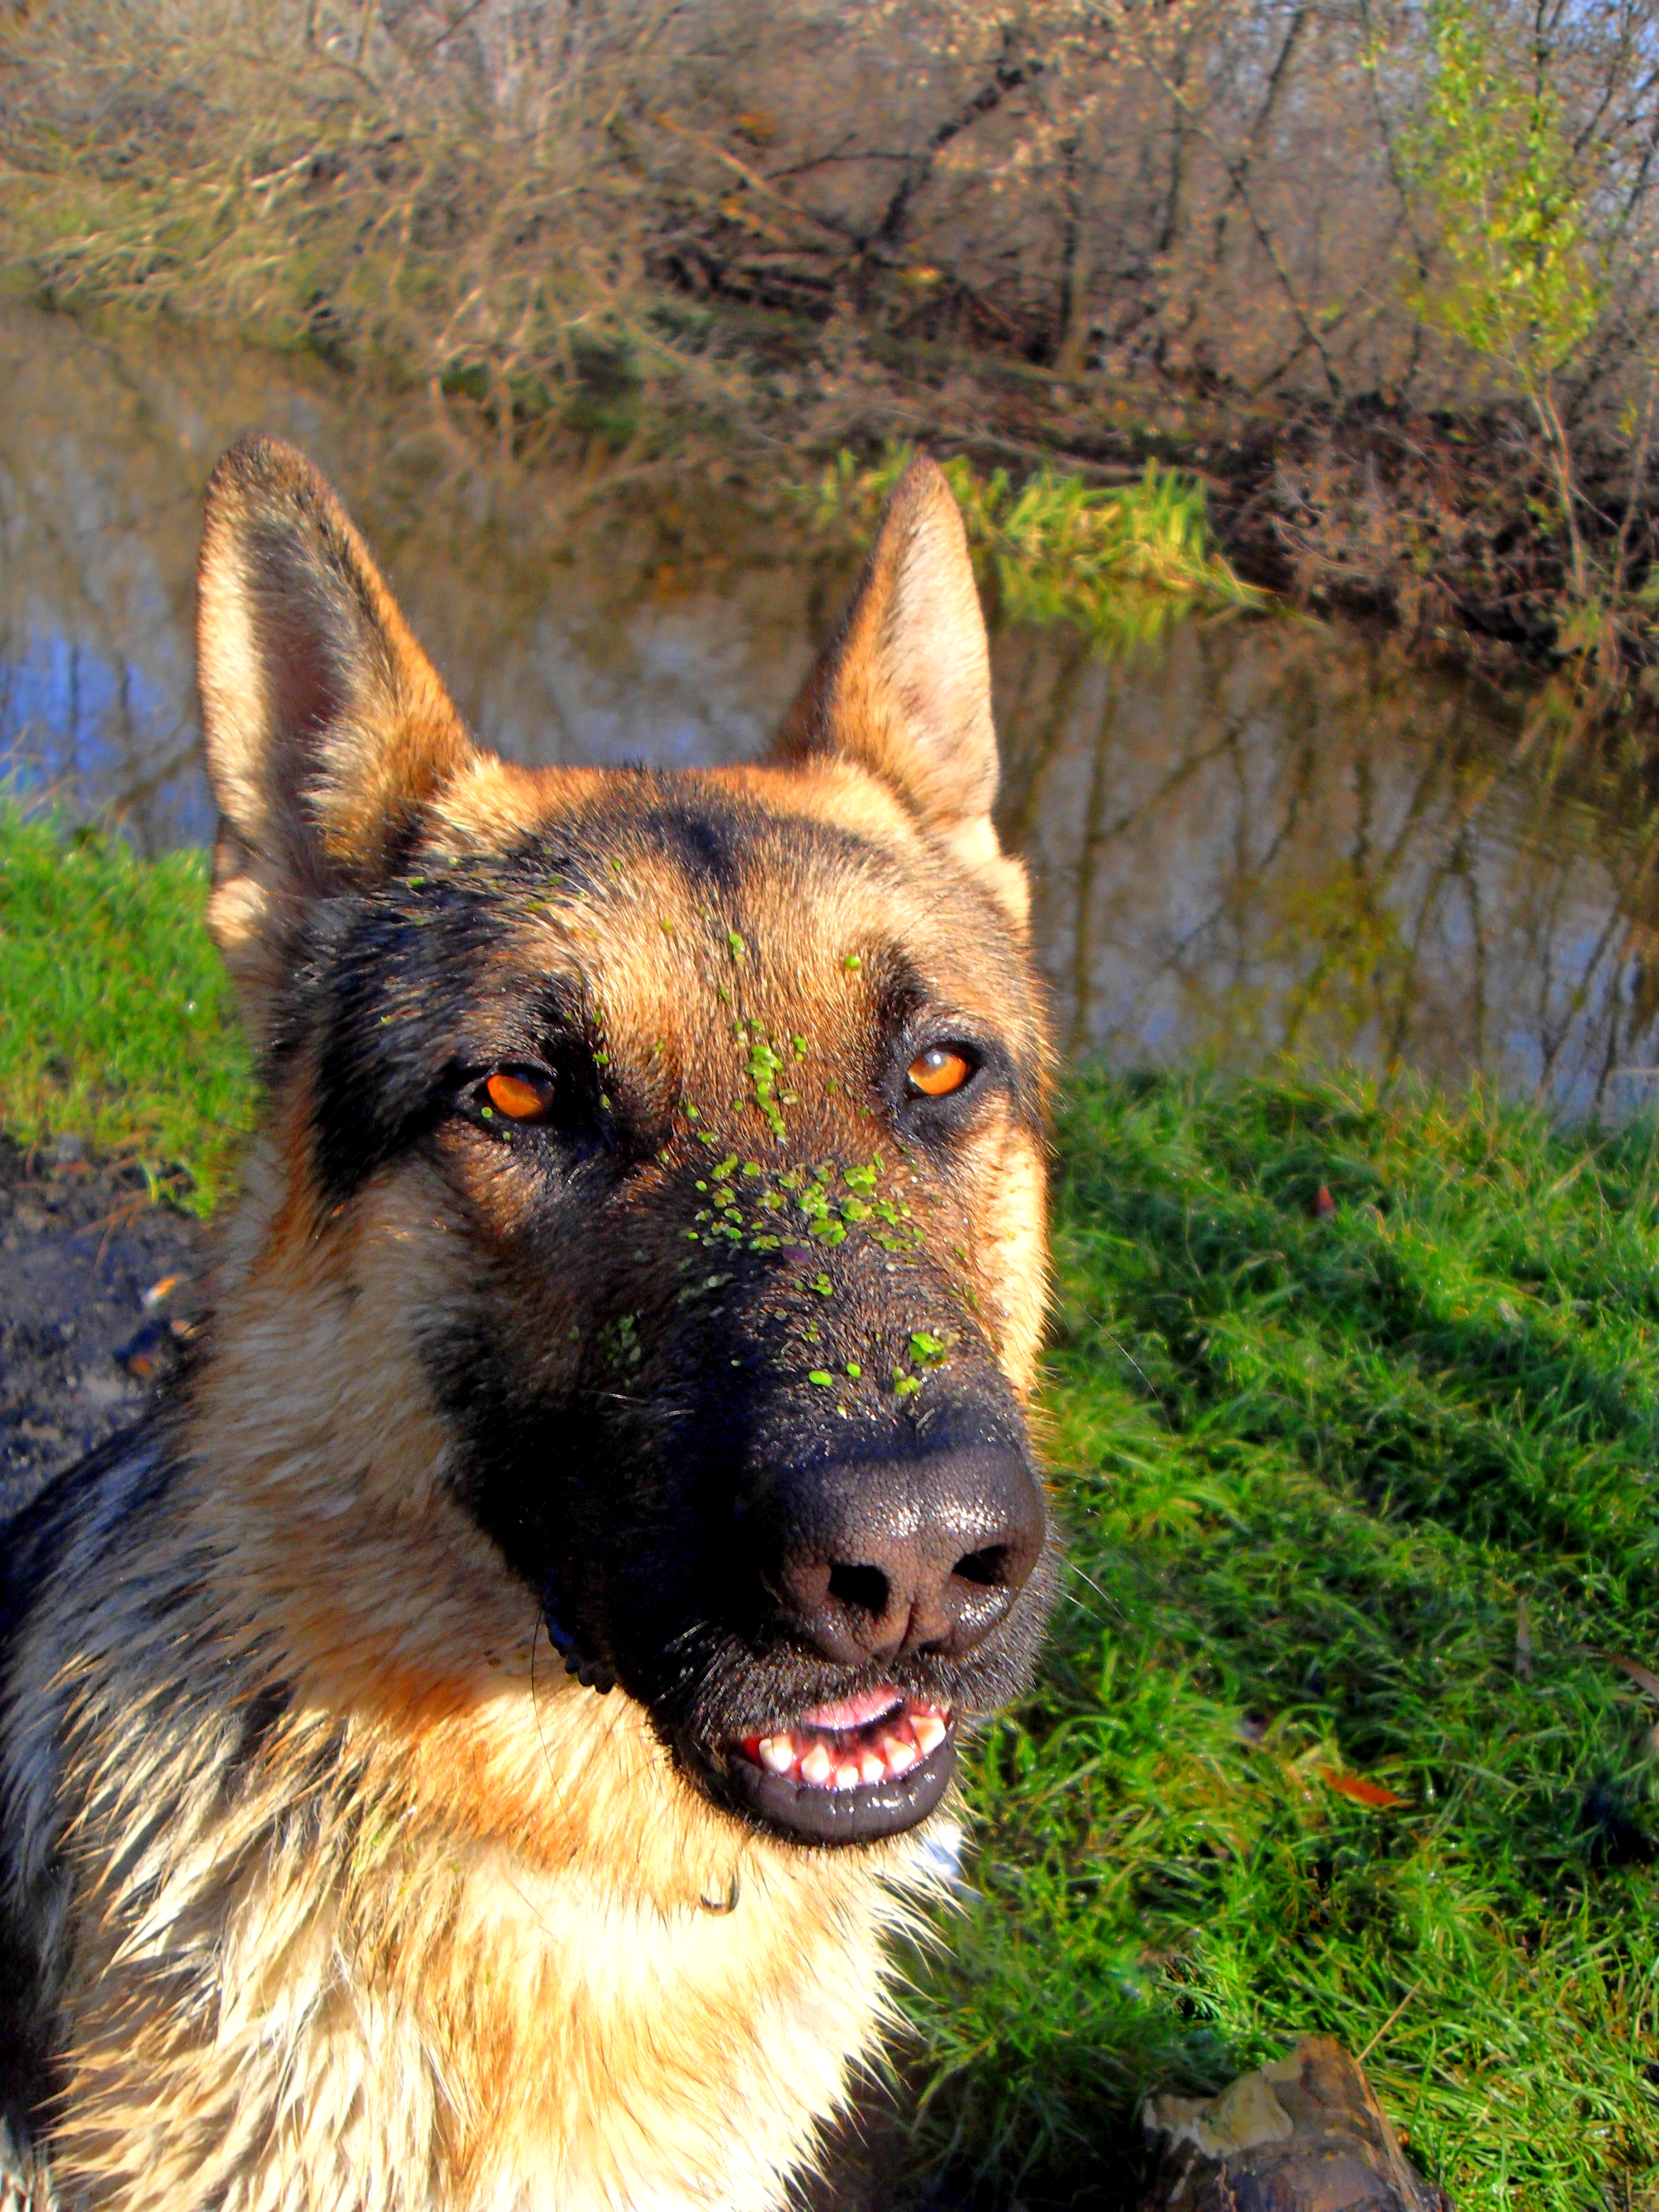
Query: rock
point(1305, 2134)
point(69, 1151)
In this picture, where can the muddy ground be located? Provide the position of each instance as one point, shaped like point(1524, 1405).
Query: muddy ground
point(100, 1288)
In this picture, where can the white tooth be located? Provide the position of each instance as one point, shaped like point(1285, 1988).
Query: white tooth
point(900, 1753)
point(929, 1731)
point(778, 1753)
point(872, 1766)
point(847, 1775)
point(815, 1767)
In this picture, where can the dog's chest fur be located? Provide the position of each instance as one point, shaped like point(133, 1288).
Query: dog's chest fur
point(291, 1967)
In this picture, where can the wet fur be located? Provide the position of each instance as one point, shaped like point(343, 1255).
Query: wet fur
point(330, 1887)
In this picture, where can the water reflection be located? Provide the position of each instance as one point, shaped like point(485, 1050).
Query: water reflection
point(1271, 840)
point(1265, 836)
point(568, 629)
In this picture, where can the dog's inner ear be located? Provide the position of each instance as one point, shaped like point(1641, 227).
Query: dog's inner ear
point(326, 727)
point(904, 687)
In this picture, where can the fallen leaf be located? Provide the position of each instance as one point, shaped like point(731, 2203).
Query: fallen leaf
point(157, 1292)
point(1644, 1677)
point(1324, 1203)
point(1361, 1792)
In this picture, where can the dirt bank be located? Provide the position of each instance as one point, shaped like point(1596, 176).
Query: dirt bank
point(99, 1289)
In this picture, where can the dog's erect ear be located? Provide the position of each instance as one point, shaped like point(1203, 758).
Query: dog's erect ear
point(904, 687)
point(326, 726)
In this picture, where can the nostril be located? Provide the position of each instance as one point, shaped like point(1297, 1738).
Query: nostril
point(863, 1558)
point(987, 1569)
point(864, 1588)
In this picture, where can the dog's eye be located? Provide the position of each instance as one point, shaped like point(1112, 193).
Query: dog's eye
point(937, 1072)
point(521, 1098)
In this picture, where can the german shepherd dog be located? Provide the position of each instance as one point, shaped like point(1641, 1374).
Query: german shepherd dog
point(473, 1747)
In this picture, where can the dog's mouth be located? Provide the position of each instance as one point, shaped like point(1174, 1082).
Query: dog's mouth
point(864, 1767)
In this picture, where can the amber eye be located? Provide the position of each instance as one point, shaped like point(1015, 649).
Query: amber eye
point(520, 1098)
point(937, 1072)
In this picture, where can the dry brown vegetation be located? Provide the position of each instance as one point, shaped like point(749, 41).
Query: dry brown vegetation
point(1199, 228)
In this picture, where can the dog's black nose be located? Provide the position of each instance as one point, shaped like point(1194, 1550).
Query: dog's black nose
point(871, 1558)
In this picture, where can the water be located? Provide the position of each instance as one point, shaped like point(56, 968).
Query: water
point(1265, 835)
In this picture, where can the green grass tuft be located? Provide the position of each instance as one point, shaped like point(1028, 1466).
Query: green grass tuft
point(1316, 1464)
point(115, 1014)
point(1120, 564)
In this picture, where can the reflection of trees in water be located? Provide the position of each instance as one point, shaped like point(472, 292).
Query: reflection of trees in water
point(574, 620)
point(1272, 841)
point(1267, 837)
point(72, 732)
point(94, 701)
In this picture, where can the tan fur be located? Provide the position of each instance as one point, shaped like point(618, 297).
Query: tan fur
point(393, 735)
point(452, 1931)
point(905, 688)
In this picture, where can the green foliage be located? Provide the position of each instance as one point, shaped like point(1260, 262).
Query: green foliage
point(1491, 161)
point(1367, 1492)
point(115, 1016)
point(1120, 564)
point(1493, 158)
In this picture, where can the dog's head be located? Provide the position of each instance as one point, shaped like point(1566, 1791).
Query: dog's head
point(721, 1097)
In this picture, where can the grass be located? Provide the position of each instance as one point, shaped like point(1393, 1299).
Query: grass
point(115, 1015)
point(1120, 564)
point(1333, 1736)
point(1355, 1403)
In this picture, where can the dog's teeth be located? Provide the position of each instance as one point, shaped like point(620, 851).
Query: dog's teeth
point(899, 1752)
point(815, 1767)
point(883, 1755)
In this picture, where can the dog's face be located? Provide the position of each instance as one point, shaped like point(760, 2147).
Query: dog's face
point(724, 1091)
